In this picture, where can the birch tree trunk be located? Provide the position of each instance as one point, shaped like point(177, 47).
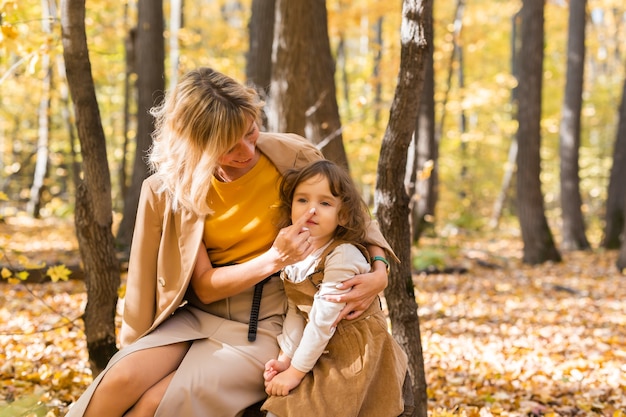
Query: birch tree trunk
point(43, 129)
point(176, 24)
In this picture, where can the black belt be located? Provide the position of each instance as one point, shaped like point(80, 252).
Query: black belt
point(256, 306)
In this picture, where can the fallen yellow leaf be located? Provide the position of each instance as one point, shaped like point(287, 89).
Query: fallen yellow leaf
point(58, 272)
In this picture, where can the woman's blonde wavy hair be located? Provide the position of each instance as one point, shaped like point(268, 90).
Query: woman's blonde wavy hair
point(201, 119)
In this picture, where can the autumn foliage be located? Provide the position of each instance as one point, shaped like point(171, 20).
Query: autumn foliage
point(500, 338)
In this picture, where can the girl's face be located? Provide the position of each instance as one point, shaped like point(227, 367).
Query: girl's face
point(314, 194)
point(243, 154)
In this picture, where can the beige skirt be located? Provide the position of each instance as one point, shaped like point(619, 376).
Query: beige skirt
point(222, 373)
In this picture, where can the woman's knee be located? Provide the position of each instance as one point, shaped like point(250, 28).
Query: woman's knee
point(123, 376)
point(151, 398)
point(140, 370)
point(147, 405)
point(119, 378)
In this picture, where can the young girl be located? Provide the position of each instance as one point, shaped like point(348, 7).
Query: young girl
point(328, 367)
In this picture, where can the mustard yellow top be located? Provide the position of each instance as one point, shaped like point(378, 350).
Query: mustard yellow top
point(243, 224)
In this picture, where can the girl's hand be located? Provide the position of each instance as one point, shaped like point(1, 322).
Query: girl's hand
point(292, 244)
point(272, 368)
point(284, 382)
point(364, 289)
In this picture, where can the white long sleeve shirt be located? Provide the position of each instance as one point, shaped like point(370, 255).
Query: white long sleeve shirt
point(305, 342)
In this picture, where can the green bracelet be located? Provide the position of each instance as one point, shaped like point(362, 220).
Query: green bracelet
point(383, 260)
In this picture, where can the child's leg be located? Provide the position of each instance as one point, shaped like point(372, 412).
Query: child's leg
point(130, 378)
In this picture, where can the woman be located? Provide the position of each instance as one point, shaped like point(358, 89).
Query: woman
point(194, 337)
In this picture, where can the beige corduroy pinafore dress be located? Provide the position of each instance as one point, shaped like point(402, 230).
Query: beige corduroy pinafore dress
point(361, 372)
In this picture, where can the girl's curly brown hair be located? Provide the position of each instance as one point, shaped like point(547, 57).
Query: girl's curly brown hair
point(353, 213)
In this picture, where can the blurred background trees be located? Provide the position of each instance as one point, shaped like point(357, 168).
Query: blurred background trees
point(474, 112)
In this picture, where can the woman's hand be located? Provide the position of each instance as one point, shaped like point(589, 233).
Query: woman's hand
point(364, 289)
point(211, 284)
point(292, 244)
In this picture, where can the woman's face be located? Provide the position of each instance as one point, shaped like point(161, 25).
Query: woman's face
point(242, 155)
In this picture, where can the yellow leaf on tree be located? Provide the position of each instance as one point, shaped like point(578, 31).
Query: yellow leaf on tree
point(22, 275)
point(9, 31)
point(58, 272)
point(3, 196)
point(8, 5)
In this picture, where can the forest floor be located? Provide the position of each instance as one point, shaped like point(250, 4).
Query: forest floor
point(499, 338)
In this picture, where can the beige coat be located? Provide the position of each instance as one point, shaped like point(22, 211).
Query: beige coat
point(165, 243)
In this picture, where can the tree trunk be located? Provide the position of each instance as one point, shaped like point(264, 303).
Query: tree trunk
point(538, 242)
point(150, 54)
point(573, 227)
point(342, 63)
point(458, 25)
point(303, 96)
point(287, 103)
point(391, 199)
point(93, 215)
point(621, 259)
point(377, 100)
point(259, 57)
point(463, 185)
point(616, 198)
point(43, 131)
point(66, 115)
point(424, 151)
point(176, 23)
point(509, 170)
point(130, 42)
